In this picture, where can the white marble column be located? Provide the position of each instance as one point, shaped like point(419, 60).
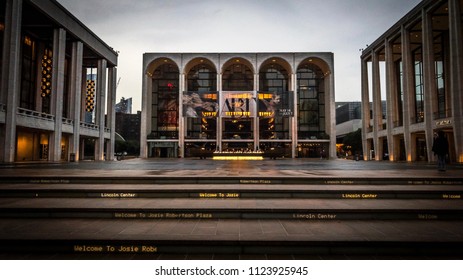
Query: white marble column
point(111, 112)
point(11, 75)
point(100, 108)
point(219, 112)
point(255, 112)
point(365, 109)
point(377, 110)
point(330, 113)
point(429, 75)
point(409, 91)
point(57, 84)
point(145, 126)
point(182, 120)
point(293, 128)
point(456, 74)
point(76, 96)
point(391, 92)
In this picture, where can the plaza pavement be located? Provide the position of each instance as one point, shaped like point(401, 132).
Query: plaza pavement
point(238, 238)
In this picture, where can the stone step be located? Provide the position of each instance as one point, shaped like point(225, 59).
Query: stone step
point(236, 180)
point(360, 192)
point(232, 192)
point(181, 208)
point(82, 238)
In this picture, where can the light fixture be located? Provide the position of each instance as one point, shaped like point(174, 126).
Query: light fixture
point(47, 61)
point(90, 100)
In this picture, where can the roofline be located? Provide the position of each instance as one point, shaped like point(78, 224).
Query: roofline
point(54, 10)
point(413, 14)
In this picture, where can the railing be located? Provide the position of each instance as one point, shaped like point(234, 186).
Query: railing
point(35, 114)
point(163, 135)
point(67, 121)
point(89, 126)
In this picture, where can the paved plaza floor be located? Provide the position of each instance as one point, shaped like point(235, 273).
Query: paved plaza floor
point(208, 167)
point(239, 238)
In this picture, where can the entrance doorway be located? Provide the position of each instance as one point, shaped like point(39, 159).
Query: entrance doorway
point(238, 129)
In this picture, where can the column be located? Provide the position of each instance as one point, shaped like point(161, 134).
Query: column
point(365, 109)
point(10, 84)
point(101, 104)
point(330, 105)
point(111, 112)
point(377, 111)
point(145, 126)
point(429, 81)
point(254, 112)
point(219, 112)
point(408, 91)
point(456, 74)
point(391, 105)
point(76, 95)
point(182, 119)
point(57, 84)
point(294, 135)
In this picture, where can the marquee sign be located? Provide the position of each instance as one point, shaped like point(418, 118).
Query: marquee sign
point(237, 104)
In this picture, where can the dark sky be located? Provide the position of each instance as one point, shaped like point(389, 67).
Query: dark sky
point(342, 27)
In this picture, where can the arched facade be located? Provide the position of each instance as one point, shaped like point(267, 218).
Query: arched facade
point(237, 102)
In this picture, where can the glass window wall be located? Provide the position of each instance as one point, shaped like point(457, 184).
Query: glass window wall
point(165, 102)
point(274, 80)
point(311, 102)
point(237, 77)
point(28, 73)
point(202, 83)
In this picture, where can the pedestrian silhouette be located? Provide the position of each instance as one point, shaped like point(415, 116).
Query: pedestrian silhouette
point(440, 147)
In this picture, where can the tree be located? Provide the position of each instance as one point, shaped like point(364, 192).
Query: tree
point(354, 141)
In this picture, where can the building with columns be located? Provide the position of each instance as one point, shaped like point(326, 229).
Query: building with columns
point(58, 85)
point(238, 102)
point(417, 67)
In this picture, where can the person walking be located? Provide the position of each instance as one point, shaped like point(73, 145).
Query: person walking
point(440, 147)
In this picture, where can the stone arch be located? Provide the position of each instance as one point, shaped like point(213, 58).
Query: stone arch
point(238, 74)
point(197, 61)
point(319, 62)
point(153, 65)
point(238, 60)
point(277, 60)
point(277, 66)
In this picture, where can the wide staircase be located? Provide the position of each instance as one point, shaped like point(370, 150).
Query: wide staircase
point(230, 217)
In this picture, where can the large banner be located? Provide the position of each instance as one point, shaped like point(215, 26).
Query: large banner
point(238, 104)
point(272, 104)
point(200, 104)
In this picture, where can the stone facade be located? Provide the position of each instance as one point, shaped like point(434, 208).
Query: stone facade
point(295, 135)
point(417, 67)
point(46, 111)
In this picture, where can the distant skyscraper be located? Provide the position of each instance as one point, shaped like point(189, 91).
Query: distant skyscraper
point(124, 106)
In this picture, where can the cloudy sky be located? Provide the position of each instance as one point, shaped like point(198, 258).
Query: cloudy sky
point(134, 27)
